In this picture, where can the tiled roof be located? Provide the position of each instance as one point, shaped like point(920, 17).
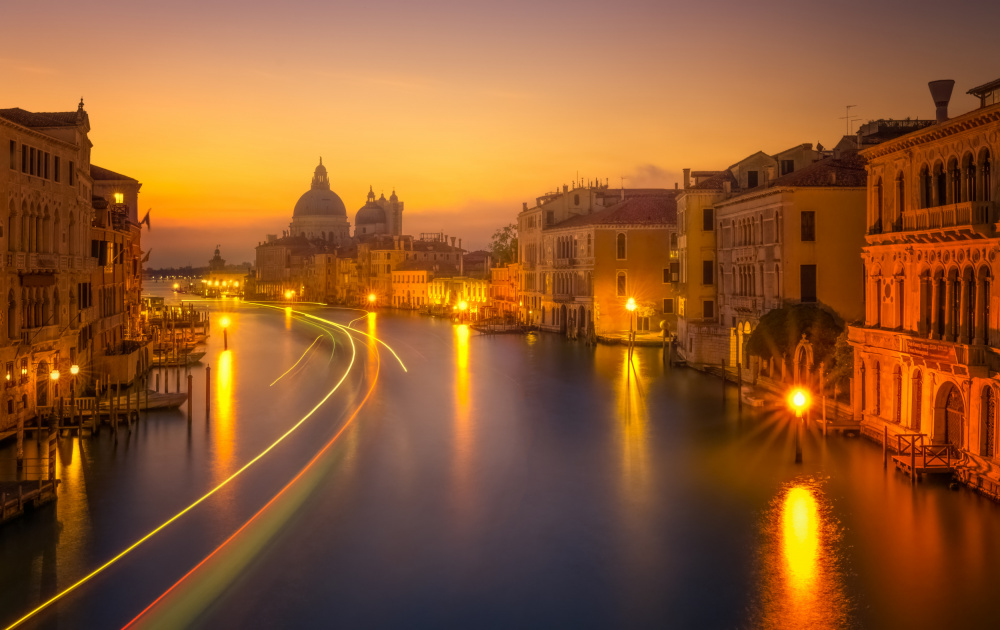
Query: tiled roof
point(847, 171)
point(98, 173)
point(38, 119)
point(716, 181)
point(640, 210)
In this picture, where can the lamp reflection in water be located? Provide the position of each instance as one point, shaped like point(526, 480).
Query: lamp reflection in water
point(802, 585)
point(463, 436)
point(223, 416)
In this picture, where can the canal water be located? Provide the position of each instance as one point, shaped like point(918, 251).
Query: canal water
point(498, 481)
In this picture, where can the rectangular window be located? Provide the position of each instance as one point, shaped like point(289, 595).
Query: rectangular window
point(622, 284)
point(46, 166)
point(707, 220)
point(787, 166)
point(55, 169)
point(72, 173)
point(31, 161)
point(808, 225)
point(752, 180)
point(24, 159)
point(642, 324)
point(706, 272)
point(807, 278)
point(668, 306)
point(675, 272)
point(708, 309)
point(13, 155)
point(666, 276)
point(620, 248)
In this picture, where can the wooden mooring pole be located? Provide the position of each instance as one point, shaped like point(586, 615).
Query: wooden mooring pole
point(190, 387)
point(208, 391)
point(885, 446)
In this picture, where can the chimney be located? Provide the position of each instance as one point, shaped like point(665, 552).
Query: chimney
point(452, 241)
point(676, 185)
point(941, 93)
point(565, 188)
point(687, 178)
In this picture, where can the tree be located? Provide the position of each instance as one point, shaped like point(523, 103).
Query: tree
point(780, 330)
point(503, 245)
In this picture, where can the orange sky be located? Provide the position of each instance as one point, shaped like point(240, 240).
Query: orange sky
point(467, 108)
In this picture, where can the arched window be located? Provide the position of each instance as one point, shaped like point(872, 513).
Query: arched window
point(987, 447)
point(969, 172)
point(622, 284)
point(940, 185)
point(877, 388)
point(864, 390)
point(955, 181)
point(879, 204)
point(900, 198)
point(984, 175)
point(589, 245)
point(576, 200)
point(897, 388)
point(620, 246)
point(926, 188)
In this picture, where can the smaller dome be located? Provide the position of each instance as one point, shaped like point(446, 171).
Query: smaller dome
point(369, 214)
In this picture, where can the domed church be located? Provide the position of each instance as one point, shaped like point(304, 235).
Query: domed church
point(379, 216)
point(319, 213)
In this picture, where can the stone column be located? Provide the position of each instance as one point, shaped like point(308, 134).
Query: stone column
point(949, 299)
point(980, 322)
point(963, 312)
point(935, 307)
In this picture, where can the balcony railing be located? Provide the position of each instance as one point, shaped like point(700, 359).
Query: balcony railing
point(967, 213)
point(927, 349)
point(746, 303)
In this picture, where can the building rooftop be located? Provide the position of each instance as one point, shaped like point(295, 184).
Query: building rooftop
point(638, 210)
point(39, 119)
point(102, 174)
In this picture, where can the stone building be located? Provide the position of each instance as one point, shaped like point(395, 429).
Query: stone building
point(702, 336)
point(928, 352)
point(71, 267)
point(593, 263)
point(793, 239)
point(379, 217)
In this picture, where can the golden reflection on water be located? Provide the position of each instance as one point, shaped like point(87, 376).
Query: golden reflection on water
point(633, 421)
point(288, 318)
point(801, 585)
point(223, 420)
point(463, 427)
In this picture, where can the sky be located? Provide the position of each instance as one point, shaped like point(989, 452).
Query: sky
point(222, 108)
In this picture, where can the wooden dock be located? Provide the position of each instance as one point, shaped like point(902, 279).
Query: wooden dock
point(916, 458)
point(16, 496)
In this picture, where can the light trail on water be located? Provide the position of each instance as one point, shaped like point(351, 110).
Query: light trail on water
point(100, 569)
point(297, 362)
point(264, 508)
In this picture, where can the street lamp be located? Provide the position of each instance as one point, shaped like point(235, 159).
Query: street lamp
point(371, 298)
point(289, 294)
point(630, 307)
point(177, 286)
point(225, 333)
point(799, 401)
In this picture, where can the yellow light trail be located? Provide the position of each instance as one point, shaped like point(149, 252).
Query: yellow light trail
point(297, 362)
point(273, 499)
point(72, 587)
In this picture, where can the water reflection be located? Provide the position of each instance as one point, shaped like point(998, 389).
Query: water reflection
point(633, 420)
point(463, 436)
point(288, 318)
point(801, 585)
point(223, 420)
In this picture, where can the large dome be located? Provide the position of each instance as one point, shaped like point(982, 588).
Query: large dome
point(320, 200)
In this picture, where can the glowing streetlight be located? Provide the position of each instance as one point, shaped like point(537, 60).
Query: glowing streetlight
point(799, 401)
point(177, 286)
point(371, 298)
point(630, 306)
point(463, 305)
point(74, 369)
point(289, 294)
point(54, 375)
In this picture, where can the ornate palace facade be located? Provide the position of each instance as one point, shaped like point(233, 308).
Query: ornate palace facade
point(927, 356)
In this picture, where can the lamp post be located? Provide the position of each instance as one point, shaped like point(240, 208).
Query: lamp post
point(54, 375)
point(799, 401)
point(225, 333)
point(630, 307)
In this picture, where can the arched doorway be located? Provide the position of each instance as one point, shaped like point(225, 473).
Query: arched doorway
point(949, 412)
point(42, 385)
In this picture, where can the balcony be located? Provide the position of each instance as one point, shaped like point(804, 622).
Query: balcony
point(39, 335)
point(958, 358)
point(746, 303)
point(977, 216)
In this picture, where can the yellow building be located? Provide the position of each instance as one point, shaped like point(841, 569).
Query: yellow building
point(593, 263)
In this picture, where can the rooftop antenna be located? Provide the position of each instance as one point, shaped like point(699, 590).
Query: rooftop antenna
point(847, 118)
